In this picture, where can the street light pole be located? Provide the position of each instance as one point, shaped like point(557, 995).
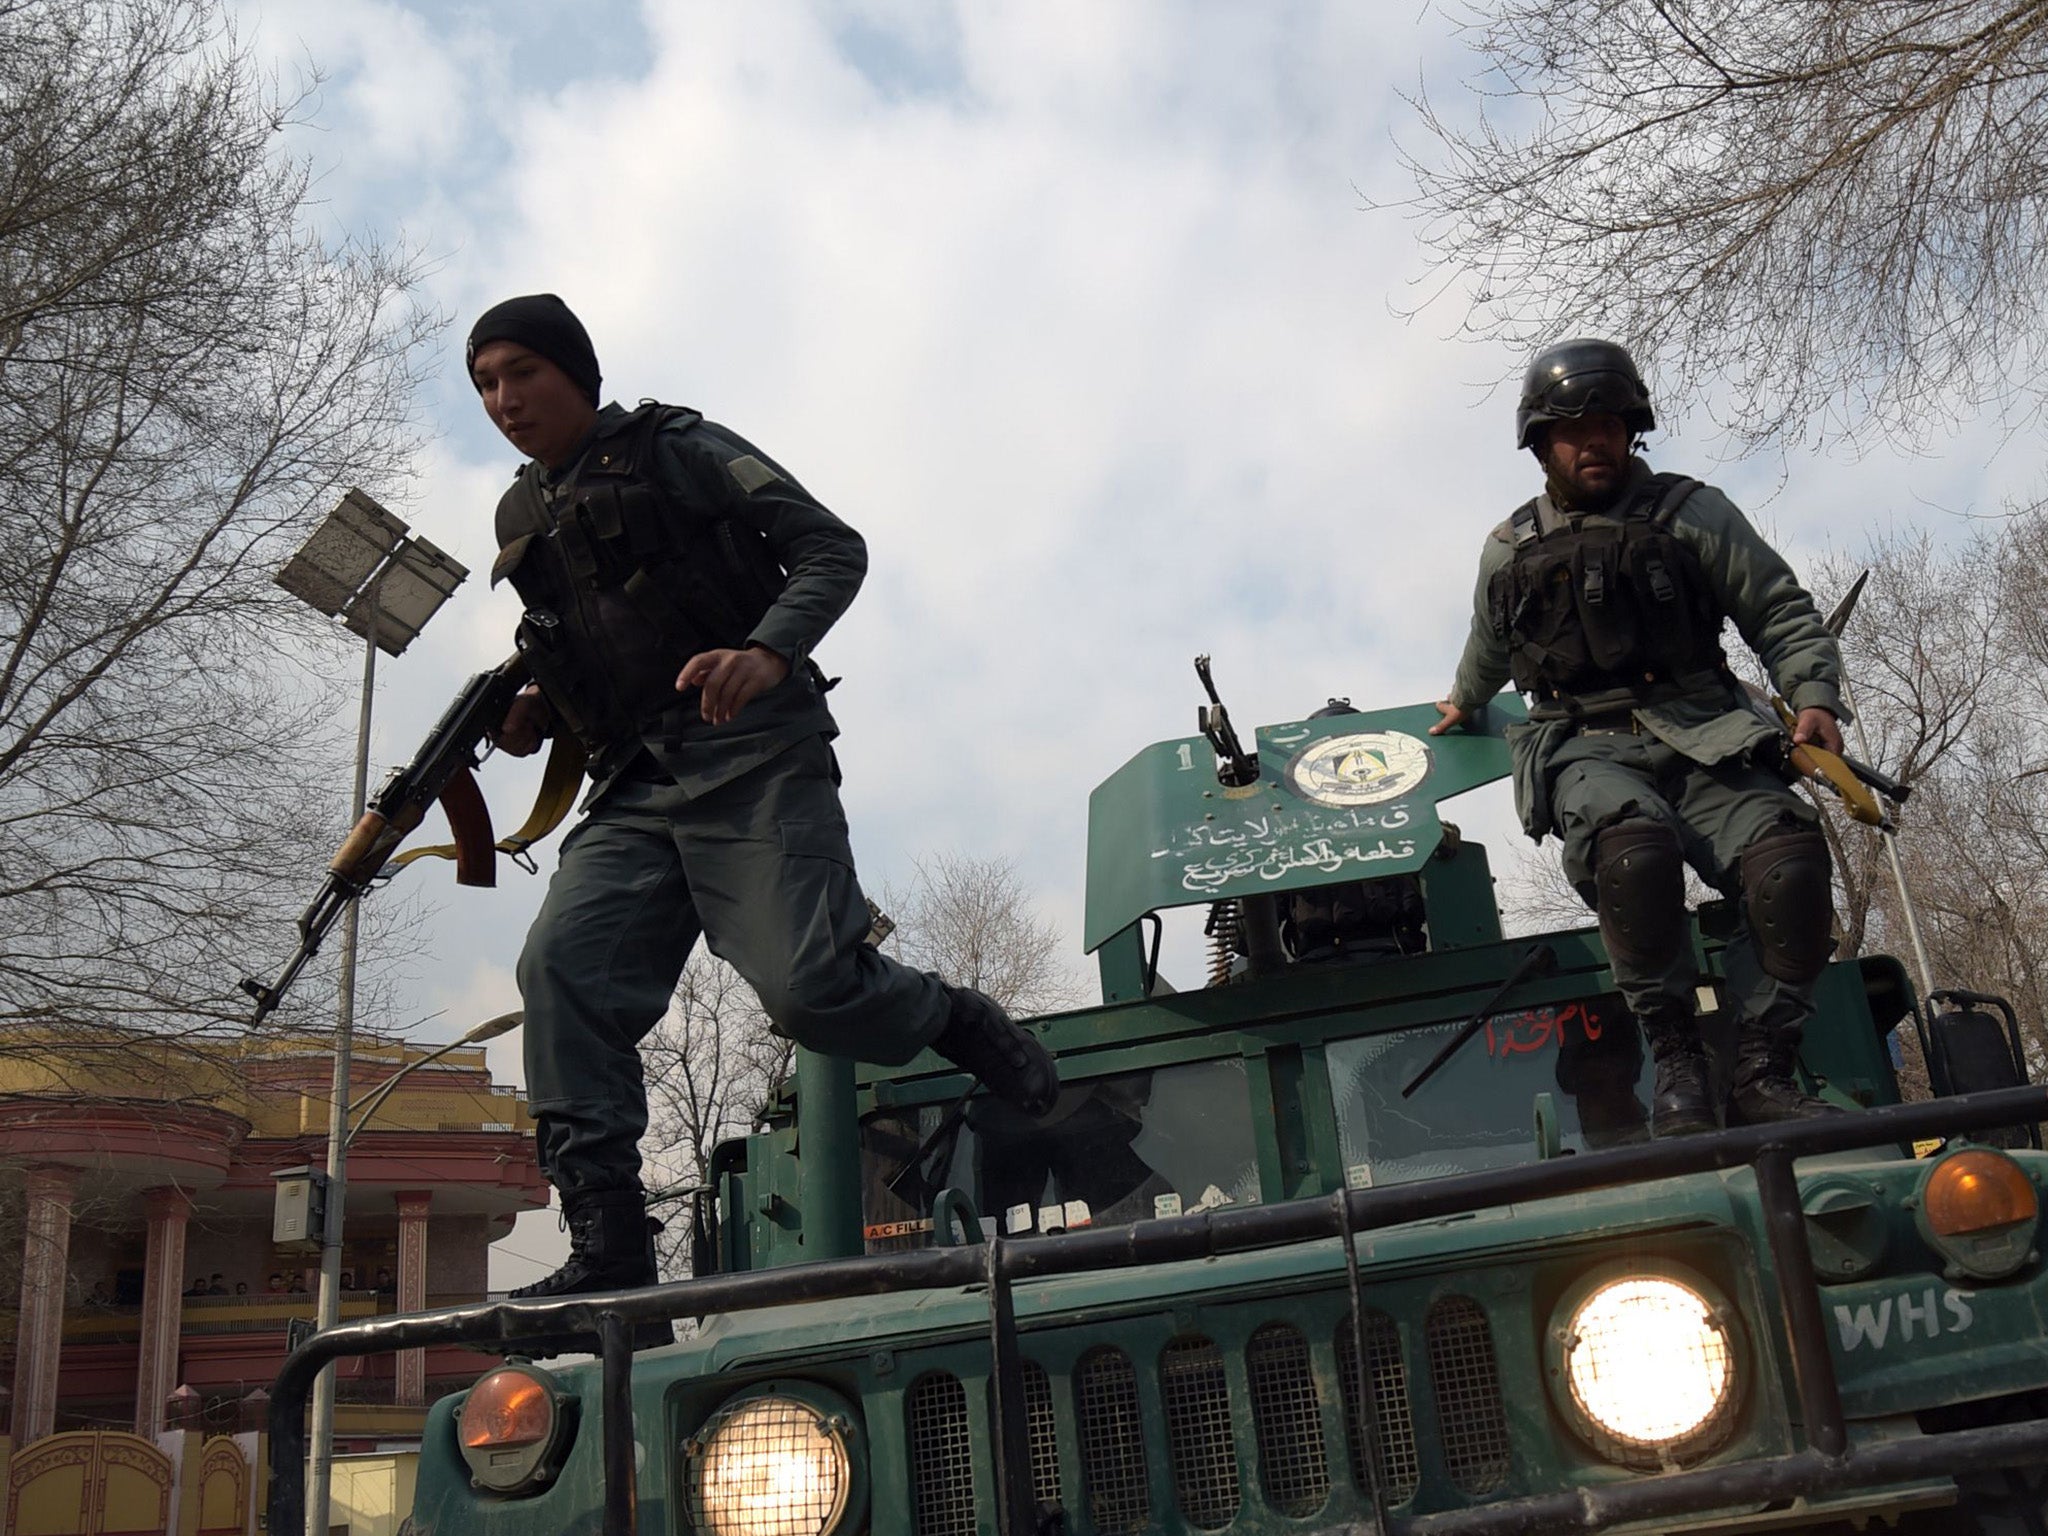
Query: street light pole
point(364, 566)
point(329, 1309)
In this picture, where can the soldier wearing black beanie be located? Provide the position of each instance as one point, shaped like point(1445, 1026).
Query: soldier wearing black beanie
point(676, 580)
point(541, 323)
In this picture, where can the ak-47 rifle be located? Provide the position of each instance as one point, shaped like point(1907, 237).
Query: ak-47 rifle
point(1859, 785)
point(443, 769)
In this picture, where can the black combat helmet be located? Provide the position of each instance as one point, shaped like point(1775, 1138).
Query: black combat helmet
point(1573, 377)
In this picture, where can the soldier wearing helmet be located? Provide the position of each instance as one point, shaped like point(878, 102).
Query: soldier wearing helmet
point(1604, 600)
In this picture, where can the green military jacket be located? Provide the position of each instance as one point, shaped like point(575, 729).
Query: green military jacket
point(1751, 584)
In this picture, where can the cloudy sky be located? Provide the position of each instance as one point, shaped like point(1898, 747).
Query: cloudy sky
point(1078, 311)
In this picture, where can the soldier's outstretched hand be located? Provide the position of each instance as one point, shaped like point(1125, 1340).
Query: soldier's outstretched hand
point(1453, 717)
point(729, 680)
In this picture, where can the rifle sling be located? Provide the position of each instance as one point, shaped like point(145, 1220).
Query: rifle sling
point(559, 783)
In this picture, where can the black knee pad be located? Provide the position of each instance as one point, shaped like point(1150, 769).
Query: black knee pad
point(1791, 902)
point(1639, 879)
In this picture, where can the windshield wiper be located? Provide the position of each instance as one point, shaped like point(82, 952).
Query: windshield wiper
point(948, 1131)
point(1541, 960)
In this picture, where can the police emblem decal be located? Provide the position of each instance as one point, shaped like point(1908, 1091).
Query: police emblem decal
point(1368, 768)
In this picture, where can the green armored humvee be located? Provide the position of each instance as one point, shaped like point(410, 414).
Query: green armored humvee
point(1365, 1235)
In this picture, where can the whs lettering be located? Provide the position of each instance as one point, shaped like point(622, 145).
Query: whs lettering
point(1905, 1318)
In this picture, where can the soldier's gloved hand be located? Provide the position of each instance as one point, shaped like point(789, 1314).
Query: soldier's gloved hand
point(1453, 717)
point(1818, 727)
point(525, 724)
point(729, 680)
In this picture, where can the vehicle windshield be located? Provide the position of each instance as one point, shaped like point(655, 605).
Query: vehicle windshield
point(1114, 1149)
point(1478, 1110)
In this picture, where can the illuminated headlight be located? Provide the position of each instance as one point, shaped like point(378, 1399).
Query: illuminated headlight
point(779, 1461)
point(1646, 1367)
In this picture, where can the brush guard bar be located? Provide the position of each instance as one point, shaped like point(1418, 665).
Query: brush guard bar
point(1826, 1465)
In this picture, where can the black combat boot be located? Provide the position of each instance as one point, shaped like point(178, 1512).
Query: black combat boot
point(1009, 1060)
point(1682, 1104)
point(1765, 1091)
point(611, 1248)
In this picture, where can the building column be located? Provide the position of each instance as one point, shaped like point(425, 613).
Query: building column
point(412, 1289)
point(39, 1333)
point(163, 1301)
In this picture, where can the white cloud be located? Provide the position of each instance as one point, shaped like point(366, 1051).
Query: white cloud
point(1071, 309)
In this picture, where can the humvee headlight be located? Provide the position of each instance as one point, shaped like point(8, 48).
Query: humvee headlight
point(1646, 1367)
point(775, 1462)
point(510, 1427)
point(1980, 1211)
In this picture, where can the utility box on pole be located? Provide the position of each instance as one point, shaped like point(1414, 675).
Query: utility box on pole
point(299, 1217)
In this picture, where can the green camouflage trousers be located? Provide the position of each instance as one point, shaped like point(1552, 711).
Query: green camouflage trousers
point(1600, 777)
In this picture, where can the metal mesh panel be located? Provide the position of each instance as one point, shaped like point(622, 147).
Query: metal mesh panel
point(1400, 1464)
point(1468, 1400)
point(1197, 1400)
point(941, 1458)
point(1045, 1439)
point(1112, 1442)
point(1040, 1430)
point(1288, 1418)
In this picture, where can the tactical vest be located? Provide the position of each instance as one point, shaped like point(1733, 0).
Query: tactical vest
point(625, 579)
point(1609, 614)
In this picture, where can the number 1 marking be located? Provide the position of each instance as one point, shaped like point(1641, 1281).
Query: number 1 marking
point(1187, 758)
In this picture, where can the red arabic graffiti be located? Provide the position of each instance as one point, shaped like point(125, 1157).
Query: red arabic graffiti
point(1532, 1029)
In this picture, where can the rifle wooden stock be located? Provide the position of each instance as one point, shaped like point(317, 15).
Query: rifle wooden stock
point(1823, 767)
point(356, 848)
point(1848, 779)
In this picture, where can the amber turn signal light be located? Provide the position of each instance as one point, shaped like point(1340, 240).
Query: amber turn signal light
point(1980, 1212)
point(507, 1408)
point(1976, 1191)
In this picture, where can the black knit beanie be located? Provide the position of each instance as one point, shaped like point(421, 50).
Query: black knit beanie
point(541, 323)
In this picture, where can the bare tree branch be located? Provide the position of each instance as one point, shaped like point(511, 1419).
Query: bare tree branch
point(1834, 208)
point(972, 921)
point(188, 377)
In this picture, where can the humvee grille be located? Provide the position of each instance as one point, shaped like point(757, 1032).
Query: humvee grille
point(1287, 1413)
point(1470, 1413)
point(1196, 1396)
point(941, 1457)
point(1400, 1464)
point(1112, 1439)
point(1282, 1392)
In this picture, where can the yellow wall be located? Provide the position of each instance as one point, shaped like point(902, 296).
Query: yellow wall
point(242, 1077)
point(372, 1494)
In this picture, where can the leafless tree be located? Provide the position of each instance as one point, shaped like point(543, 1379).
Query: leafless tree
point(973, 921)
point(712, 1067)
point(189, 374)
point(1835, 207)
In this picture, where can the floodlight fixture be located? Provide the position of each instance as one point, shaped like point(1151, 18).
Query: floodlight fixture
point(410, 589)
point(342, 553)
point(364, 566)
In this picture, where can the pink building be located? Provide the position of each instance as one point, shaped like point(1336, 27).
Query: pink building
point(136, 1176)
